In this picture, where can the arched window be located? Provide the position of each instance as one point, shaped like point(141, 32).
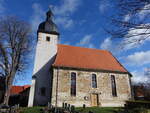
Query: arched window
point(94, 81)
point(73, 84)
point(113, 85)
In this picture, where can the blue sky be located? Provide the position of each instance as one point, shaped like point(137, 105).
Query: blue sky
point(81, 23)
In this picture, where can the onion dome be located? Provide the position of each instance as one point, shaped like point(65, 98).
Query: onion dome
point(48, 26)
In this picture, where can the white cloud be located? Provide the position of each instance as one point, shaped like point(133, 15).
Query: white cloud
point(64, 11)
point(127, 17)
point(106, 44)
point(131, 40)
point(126, 43)
point(61, 12)
point(143, 13)
point(64, 21)
point(2, 8)
point(110, 45)
point(134, 38)
point(37, 16)
point(138, 58)
point(68, 6)
point(139, 76)
point(86, 42)
point(104, 6)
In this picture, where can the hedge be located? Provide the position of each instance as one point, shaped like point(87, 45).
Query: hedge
point(133, 104)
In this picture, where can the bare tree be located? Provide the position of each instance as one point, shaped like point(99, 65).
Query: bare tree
point(130, 21)
point(14, 43)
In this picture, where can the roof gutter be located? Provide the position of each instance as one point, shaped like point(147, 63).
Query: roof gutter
point(88, 69)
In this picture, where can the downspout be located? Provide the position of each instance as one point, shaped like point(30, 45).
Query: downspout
point(131, 89)
point(57, 87)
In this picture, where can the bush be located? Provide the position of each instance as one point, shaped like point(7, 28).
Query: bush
point(139, 104)
point(133, 110)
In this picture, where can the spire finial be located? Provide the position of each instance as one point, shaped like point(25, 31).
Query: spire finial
point(49, 13)
point(50, 7)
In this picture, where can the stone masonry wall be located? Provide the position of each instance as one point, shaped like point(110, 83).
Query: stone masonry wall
point(84, 88)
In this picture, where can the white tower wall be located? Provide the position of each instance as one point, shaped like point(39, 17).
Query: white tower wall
point(44, 57)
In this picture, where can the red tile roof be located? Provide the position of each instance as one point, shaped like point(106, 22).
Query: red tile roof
point(86, 58)
point(18, 89)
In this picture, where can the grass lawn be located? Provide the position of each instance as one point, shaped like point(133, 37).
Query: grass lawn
point(30, 110)
point(86, 110)
point(93, 109)
point(98, 109)
point(112, 110)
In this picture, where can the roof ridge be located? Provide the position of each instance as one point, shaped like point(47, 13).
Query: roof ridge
point(84, 47)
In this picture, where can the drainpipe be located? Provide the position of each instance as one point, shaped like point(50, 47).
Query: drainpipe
point(57, 87)
point(131, 88)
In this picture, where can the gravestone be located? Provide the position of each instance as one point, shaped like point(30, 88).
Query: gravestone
point(65, 105)
point(72, 109)
point(68, 107)
point(84, 106)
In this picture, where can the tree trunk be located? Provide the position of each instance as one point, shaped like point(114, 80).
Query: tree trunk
point(8, 83)
point(7, 95)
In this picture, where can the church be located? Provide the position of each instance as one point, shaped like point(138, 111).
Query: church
point(75, 75)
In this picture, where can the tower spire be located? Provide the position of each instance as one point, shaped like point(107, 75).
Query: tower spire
point(49, 14)
point(48, 26)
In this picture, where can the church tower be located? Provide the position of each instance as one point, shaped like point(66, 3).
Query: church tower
point(46, 49)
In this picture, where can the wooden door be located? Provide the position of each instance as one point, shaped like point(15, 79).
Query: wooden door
point(94, 99)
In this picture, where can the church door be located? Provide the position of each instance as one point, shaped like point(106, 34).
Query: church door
point(94, 99)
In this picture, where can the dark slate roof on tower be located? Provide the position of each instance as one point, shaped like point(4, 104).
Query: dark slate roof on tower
point(48, 26)
point(86, 58)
